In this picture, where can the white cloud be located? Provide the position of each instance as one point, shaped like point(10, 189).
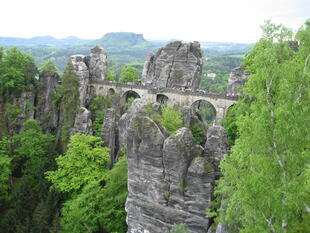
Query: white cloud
point(204, 20)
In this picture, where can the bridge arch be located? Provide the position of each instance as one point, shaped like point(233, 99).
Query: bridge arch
point(111, 91)
point(129, 95)
point(161, 98)
point(206, 110)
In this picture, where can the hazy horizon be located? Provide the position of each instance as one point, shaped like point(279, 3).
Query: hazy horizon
point(148, 39)
point(235, 21)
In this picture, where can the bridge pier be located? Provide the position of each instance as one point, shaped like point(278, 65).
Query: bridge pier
point(220, 113)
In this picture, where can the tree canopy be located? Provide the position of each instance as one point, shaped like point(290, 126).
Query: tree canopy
point(17, 71)
point(83, 162)
point(130, 74)
point(265, 184)
point(48, 66)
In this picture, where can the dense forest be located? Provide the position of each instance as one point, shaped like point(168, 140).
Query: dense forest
point(53, 180)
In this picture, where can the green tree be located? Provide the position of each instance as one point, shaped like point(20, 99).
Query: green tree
point(110, 76)
point(171, 119)
point(17, 72)
point(5, 170)
point(32, 155)
point(69, 99)
point(100, 207)
point(265, 185)
point(98, 195)
point(130, 74)
point(197, 133)
point(84, 162)
point(48, 66)
point(34, 148)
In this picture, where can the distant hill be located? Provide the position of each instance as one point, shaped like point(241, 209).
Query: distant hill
point(122, 47)
point(41, 41)
point(123, 40)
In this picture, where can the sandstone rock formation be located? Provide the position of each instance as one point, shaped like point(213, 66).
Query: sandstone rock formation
point(170, 179)
point(108, 132)
point(89, 68)
point(25, 104)
point(47, 112)
point(83, 123)
point(175, 65)
point(81, 69)
point(236, 81)
point(97, 63)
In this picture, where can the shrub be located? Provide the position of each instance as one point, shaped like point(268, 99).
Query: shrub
point(197, 133)
point(171, 119)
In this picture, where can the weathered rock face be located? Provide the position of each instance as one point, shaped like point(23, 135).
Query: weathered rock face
point(170, 180)
point(83, 123)
point(89, 68)
point(97, 63)
point(108, 132)
point(81, 69)
point(48, 113)
point(216, 146)
point(25, 103)
point(137, 108)
point(236, 81)
point(175, 65)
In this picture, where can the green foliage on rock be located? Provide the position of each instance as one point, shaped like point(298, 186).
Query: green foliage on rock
point(171, 119)
point(110, 76)
point(98, 106)
point(5, 168)
point(179, 228)
point(97, 123)
point(265, 184)
point(48, 66)
point(130, 74)
point(84, 162)
point(197, 133)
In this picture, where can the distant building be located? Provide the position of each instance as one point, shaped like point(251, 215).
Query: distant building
point(211, 75)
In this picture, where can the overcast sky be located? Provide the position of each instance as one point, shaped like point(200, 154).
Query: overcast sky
point(202, 20)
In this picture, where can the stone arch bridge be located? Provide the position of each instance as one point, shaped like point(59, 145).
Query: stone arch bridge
point(221, 103)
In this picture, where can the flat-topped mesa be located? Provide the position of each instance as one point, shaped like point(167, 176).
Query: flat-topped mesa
point(177, 65)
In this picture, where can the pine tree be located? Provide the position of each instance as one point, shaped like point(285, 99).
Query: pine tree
point(70, 99)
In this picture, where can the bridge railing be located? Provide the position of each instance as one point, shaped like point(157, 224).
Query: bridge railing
point(162, 90)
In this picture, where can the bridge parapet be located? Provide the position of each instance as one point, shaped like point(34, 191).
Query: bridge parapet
point(156, 90)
